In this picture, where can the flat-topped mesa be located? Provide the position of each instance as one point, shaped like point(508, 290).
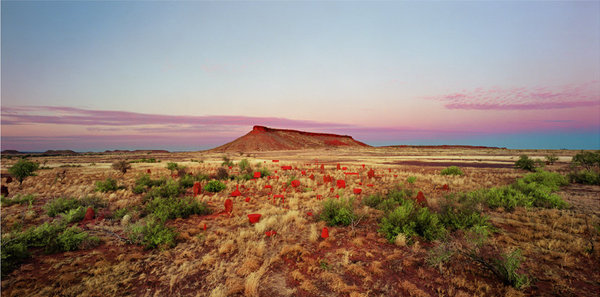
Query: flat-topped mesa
point(263, 138)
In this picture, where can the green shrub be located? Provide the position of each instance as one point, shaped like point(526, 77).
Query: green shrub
point(400, 196)
point(22, 169)
point(60, 205)
point(13, 253)
point(525, 163)
point(461, 216)
point(550, 159)
point(108, 185)
point(215, 186)
point(172, 166)
point(411, 179)
point(138, 189)
point(452, 170)
point(506, 267)
point(186, 181)
point(19, 199)
point(439, 255)
point(338, 212)
point(587, 160)
point(244, 164)
point(153, 234)
point(72, 238)
point(585, 176)
point(144, 160)
point(411, 220)
point(170, 189)
point(372, 200)
point(94, 202)
point(120, 213)
point(264, 172)
point(74, 215)
point(171, 208)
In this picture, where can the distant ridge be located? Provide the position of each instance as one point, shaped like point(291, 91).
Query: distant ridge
point(263, 138)
point(445, 146)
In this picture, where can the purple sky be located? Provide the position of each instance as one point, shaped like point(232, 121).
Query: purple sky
point(91, 76)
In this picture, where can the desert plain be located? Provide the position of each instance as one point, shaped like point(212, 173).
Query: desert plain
point(284, 253)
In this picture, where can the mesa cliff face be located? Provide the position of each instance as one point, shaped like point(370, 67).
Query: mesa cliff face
point(263, 138)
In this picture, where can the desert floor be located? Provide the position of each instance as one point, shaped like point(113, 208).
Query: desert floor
point(232, 257)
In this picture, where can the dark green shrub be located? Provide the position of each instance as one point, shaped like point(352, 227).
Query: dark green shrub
point(411, 220)
point(455, 215)
point(400, 195)
point(13, 253)
point(19, 199)
point(586, 177)
point(22, 169)
point(60, 205)
point(119, 213)
point(186, 181)
point(121, 166)
point(452, 170)
point(138, 189)
point(587, 160)
point(171, 208)
point(244, 164)
point(550, 159)
point(170, 189)
point(372, 200)
point(338, 212)
point(215, 186)
point(172, 166)
point(525, 163)
point(108, 185)
point(153, 234)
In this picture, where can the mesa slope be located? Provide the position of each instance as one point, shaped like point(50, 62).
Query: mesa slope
point(269, 139)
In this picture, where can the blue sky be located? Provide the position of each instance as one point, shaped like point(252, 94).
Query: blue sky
point(385, 72)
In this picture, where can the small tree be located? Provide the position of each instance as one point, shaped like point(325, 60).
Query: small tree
point(525, 163)
point(122, 166)
point(22, 169)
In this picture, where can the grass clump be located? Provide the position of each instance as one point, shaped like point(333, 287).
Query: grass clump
point(74, 215)
point(338, 212)
point(19, 199)
point(171, 208)
point(452, 170)
point(411, 220)
point(153, 234)
point(215, 186)
point(411, 179)
point(506, 268)
point(108, 185)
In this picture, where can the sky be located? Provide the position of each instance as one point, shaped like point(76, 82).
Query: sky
point(93, 76)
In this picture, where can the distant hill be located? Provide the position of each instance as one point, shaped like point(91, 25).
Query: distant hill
point(135, 151)
point(270, 139)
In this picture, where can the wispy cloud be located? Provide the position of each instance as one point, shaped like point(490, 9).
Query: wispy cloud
point(569, 96)
point(23, 115)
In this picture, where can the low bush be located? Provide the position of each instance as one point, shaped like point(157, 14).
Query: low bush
point(108, 185)
point(19, 199)
point(170, 189)
point(399, 195)
point(72, 239)
point(215, 186)
point(550, 159)
point(587, 160)
point(372, 200)
point(244, 164)
point(506, 268)
point(171, 208)
point(411, 179)
point(338, 212)
point(153, 234)
point(13, 253)
point(463, 215)
point(227, 162)
point(411, 220)
point(74, 215)
point(61, 205)
point(585, 176)
point(94, 202)
point(119, 213)
point(222, 174)
point(452, 170)
point(144, 160)
point(525, 163)
point(186, 181)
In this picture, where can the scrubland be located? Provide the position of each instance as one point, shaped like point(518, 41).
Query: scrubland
point(474, 234)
